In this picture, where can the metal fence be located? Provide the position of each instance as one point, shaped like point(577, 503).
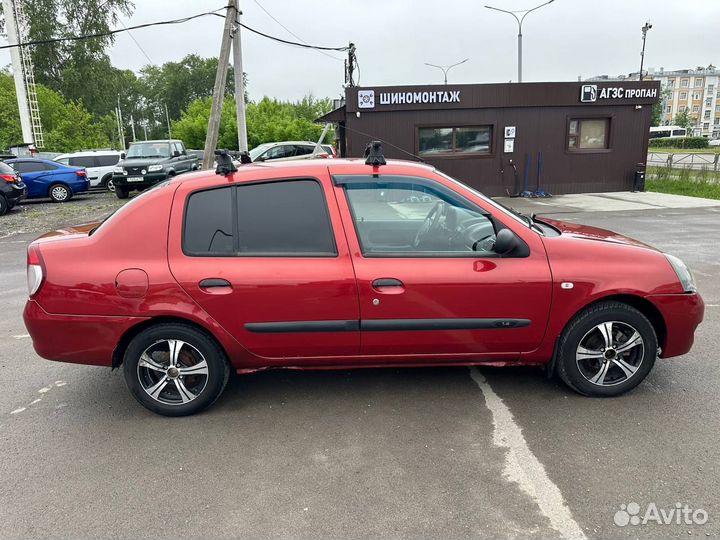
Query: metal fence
point(709, 162)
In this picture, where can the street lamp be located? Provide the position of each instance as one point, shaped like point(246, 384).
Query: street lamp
point(445, 69)
point(645, 29)
point(520, 21)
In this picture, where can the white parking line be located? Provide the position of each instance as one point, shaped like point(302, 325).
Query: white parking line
point(22, 336)
point(523, 468)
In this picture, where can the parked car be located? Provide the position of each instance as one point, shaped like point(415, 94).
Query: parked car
point(287, 151)
point(45, 178)
point(99, 165)
point(314, 265)
point(714, 142)
point(330, 150)
point(12, 188)
point(150, 162)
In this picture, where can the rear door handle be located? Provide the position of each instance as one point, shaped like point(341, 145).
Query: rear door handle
point(388, 286)
point(209, 283)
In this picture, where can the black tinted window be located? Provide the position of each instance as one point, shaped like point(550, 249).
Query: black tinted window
point(208, 223)
point(6, 169)
point(28, 166)
point(107, 160)
point(288, 217)
point(82, 161)
point(304, 150)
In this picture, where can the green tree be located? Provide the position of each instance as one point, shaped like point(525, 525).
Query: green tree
point(267, 120)
point(657, 109)
point(683, 119)
point(67, 125)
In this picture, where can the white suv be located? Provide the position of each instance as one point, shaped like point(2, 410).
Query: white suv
point(99, 165)
point(287, 151)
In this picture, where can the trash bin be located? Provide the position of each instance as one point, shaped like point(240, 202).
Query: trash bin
point(639, 181)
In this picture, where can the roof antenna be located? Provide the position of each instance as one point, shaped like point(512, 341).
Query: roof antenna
point(374, 154)
point(225, 165)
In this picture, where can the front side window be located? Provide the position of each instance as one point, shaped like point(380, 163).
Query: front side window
point(454, 141)
point(588, 133)
point(28, 166)
point(283, 218)
point(412, 217)
point(279, 152)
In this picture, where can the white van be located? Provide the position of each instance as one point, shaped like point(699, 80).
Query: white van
point(99, 165)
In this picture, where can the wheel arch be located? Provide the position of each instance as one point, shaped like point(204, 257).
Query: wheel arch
point(119, 352)
point(644, 306)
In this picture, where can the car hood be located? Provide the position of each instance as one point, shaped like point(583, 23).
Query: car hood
point(142, 162)
point(587, 232)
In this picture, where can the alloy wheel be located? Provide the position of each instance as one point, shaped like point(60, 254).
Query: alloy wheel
point(172, 372)
point(59, 193)
point(610, 353)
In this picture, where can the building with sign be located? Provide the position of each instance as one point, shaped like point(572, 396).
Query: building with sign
point(695, 91)
point(508, 138)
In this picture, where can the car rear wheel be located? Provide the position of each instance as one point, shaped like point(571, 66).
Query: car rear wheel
point(121, 192)
point(606, 350)
point(60, 193)
point(175, 370)
point(4, 206)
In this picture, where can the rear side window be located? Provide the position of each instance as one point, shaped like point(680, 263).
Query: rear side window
point(6, 169)
point(82, 161)
point(107, 160)
point(209, 223)
point(284, 218)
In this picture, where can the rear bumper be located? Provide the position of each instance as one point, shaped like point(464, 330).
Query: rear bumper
point(682, 314)
point(79, 339)
point(15, 194)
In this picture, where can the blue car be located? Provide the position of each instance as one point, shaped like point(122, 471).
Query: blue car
point(45, 178)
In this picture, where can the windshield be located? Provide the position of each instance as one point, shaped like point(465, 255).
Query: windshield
point(149, 150)
point(255, 152)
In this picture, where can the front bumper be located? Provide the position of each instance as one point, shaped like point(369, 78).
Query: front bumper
point(79, 339)
point(148, 179)
point(682, 314)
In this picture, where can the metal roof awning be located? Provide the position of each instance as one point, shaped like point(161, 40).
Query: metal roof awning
point(337, 115)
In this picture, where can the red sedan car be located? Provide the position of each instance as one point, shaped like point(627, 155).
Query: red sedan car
point(343, 264)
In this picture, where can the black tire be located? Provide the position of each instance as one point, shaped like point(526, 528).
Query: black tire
point(60, 193)
point(107, 183)
point(121, 192)
point(4, 206)
point(626, 368)
point(196, 346)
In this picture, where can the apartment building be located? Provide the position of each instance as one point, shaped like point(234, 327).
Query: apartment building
point(696, 91)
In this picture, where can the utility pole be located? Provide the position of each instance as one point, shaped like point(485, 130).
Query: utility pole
point(239, 86)
point(121, 131)
point(167, 119)
point(645, 29)
point(520, 21)
point(132, 127)
point(15, 55)
point(219, 89)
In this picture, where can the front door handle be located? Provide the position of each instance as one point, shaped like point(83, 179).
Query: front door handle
point(387, 282)
point(210, 283)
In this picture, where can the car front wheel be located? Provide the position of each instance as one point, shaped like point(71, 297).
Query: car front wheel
point(606, 350)
point(175, 370)
point(60, 193)
point(121, 192)
point(109, 184)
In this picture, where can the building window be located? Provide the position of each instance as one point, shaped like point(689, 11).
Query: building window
point(683, 95)
point(588, 133)
point(707, 114)
point(671, 83)
point(698, 83)
point(710, 88)
point(708, 102)
point(668, 109)
point(684, 83)
point(455, 141)
point(697, 96)
point(717, 120)
point(706, 126)
point(717, 108)
point(696, 108)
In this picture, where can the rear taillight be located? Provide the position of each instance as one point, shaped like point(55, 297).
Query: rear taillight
point(35, 269)
point(81, 173)
point(9, 177)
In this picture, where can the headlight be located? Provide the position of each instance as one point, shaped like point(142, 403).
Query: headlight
point(119, 170)
point(155, 168)
point(683, 273)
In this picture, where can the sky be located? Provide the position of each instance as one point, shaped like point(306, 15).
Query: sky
point(394, 38)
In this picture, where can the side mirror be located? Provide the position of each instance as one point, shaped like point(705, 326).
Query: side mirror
point(122, 155)
point(176, 153)
point(505, 242)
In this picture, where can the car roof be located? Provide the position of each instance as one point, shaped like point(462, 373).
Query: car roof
point(157, 141)
point(36, 160)
point(288, 142)
point(310, 167)
point(82, 153)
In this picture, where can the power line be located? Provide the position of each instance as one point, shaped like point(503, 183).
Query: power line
point(293, 33)
point(112, 32)
point(137, 43)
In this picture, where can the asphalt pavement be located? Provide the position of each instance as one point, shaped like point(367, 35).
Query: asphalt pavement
point(411, 453)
